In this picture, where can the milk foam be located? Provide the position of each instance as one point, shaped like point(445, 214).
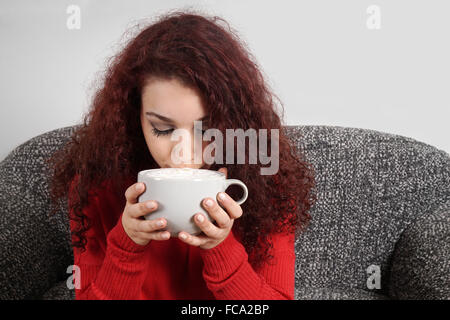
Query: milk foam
point(183, 173)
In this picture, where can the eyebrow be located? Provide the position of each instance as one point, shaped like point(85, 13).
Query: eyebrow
point(168, 119)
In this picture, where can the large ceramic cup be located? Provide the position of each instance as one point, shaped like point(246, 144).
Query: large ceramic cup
point(179, 193)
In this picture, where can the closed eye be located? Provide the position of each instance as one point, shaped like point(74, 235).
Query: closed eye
point(158, 133)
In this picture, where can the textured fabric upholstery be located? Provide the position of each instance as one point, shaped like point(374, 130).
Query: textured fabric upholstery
point(383, 200)
point(421, 262)
point(374, 189)
point(34, 246)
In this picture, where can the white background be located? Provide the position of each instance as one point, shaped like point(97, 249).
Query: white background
point(319, 57)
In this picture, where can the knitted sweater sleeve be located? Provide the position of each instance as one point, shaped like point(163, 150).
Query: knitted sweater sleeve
point(112, 266)
point(230, 276)
point(115, 273)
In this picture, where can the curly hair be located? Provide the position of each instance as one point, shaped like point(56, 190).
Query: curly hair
point(205, 53)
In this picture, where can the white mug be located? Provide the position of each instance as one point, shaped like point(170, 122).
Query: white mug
point(180, 192)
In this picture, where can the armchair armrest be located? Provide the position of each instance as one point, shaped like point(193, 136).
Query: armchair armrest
point(421, 260)
point(59, 291)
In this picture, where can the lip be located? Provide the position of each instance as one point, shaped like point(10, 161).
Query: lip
point(205, 166)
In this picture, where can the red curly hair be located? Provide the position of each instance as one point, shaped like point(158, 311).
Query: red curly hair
point(204, 53)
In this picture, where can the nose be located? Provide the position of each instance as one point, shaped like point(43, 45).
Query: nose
point(188, 148)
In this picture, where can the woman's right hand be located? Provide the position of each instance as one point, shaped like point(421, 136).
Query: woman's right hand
point(139, 230)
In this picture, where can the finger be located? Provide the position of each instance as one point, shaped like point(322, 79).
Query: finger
point(191, 239)
point(158, 235)
point(207, 227)
point(231, 206)
point(217, 213)
point(224, 170)
point(150, 225)
point(140, 209)
point(134, 191)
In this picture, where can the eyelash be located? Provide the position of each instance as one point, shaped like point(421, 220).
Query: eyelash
point(158, 133)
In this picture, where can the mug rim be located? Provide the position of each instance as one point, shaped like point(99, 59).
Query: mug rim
point(219, 175)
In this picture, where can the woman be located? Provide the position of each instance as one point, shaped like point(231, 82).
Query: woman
point(184, 67)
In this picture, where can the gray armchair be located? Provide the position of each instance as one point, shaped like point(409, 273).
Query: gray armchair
point(380, 228)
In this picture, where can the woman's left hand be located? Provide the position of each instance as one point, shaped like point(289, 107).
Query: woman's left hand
point(213, 235)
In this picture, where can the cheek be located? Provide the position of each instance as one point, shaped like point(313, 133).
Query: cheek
point(160, 148)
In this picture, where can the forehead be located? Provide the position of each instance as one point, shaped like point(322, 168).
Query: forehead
point(171, 98)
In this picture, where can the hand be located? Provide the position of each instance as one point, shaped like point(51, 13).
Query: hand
point(139, 230)
point(214, 235)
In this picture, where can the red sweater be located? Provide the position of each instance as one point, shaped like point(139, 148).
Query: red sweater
point(115, 267)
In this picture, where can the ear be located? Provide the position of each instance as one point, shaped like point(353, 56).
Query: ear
point(224, 170)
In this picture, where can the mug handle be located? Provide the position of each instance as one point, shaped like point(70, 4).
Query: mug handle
point(229, 182)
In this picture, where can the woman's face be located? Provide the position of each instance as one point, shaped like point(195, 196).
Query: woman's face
point(166, 106)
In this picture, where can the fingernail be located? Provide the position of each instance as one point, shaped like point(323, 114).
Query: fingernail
point(222, 196)
point(150, 205)
point(183, 236)
point(160, 223)
point(209, 203)
point(139, 186)
point(200, 218)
